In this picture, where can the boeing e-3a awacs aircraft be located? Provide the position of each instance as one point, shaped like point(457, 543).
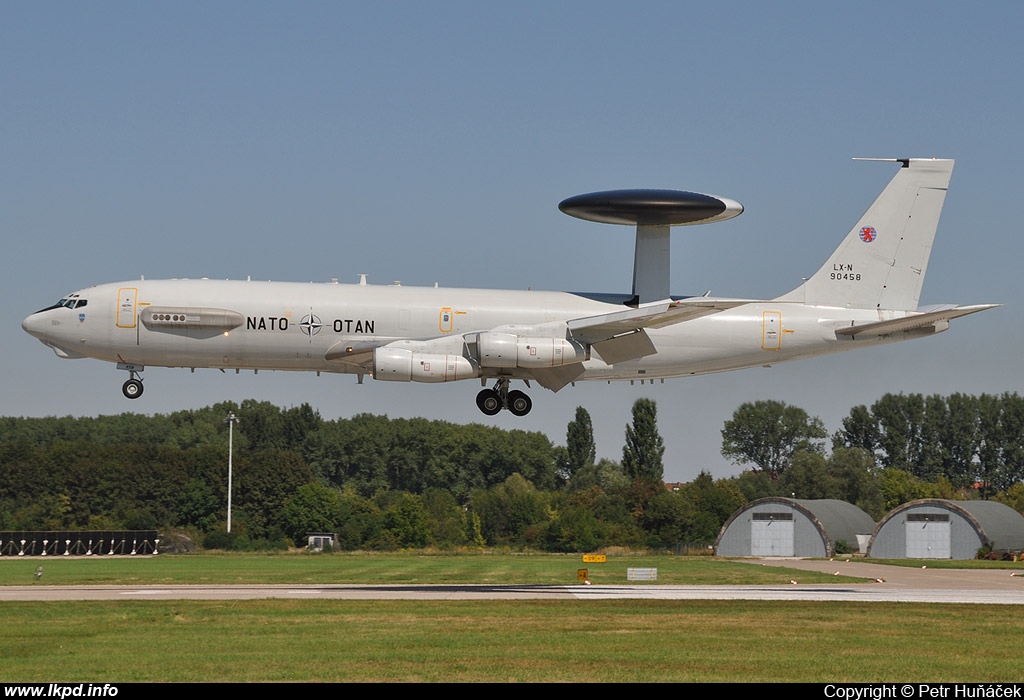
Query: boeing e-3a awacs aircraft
point(865, 294)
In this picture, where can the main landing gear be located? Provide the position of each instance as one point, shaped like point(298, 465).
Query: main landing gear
point(132, 389)
point(491, 401)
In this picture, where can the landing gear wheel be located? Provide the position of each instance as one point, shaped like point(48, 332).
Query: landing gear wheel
point(519, 403)
point(489, 402)
point(132, 389)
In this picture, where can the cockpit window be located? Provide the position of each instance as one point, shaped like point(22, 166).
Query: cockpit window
point(72, 301)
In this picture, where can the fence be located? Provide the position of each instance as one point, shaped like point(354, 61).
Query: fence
point(56, 543)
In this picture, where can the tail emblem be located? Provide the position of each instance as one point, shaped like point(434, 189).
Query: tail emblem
point(868, 234)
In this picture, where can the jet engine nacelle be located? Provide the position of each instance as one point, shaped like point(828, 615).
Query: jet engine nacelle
point(504, 350)
point(402, 365)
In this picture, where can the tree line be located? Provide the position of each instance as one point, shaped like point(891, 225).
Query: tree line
point(902, 447)
point(383, 483)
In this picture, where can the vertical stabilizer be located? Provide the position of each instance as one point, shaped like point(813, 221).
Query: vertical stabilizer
point(881, 262)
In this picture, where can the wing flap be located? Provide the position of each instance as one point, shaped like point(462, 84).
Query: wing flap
point(555, 378)
point(628, 346)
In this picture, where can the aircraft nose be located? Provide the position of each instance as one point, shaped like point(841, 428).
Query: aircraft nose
point(35, 326)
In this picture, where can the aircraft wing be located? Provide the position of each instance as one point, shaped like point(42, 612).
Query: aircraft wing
point(357, 353)
point(937, 318)
point(620, 336)
point(594, 329)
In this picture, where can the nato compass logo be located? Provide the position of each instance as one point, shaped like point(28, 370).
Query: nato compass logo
point(310, 325)
point(868, 234)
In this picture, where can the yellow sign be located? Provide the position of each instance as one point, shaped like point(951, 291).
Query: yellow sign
point(594, 558)
point(582, 574)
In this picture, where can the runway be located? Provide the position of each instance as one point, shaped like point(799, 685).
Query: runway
point(884, 584)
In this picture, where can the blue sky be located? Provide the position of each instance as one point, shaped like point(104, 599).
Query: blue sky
point(432, 142)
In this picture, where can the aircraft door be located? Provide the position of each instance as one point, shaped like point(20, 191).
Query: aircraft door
point(444, 321)
point(771, 330)
point(126, 306)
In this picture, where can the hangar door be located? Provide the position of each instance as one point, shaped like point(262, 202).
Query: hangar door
point(928, 536)
point(771, 535)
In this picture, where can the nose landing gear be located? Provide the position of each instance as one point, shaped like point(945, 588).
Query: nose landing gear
point(132, 389)
point(492, 401)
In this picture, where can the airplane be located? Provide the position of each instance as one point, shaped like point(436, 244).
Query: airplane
point(865, 294)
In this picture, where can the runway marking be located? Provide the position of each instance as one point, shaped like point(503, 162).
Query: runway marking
point(155, 591)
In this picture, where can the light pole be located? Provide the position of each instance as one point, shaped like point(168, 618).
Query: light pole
point(230, 420)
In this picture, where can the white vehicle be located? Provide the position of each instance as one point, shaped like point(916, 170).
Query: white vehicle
point(865, 294)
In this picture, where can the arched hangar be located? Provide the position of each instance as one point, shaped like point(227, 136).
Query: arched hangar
point(787, 527)
point(933, 528)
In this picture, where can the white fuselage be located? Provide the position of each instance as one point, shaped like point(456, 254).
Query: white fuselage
point(292, 326)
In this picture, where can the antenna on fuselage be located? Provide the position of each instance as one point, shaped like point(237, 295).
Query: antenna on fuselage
point(653, 212)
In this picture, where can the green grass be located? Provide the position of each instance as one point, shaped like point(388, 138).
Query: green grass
point(301, 568)
point(484, 641)
point(504, 641)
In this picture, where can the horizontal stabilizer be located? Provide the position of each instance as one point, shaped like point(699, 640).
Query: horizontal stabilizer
point(938, 319)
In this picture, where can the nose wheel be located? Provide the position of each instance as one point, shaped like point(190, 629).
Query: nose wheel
point(132, 389)
point(492, 401)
